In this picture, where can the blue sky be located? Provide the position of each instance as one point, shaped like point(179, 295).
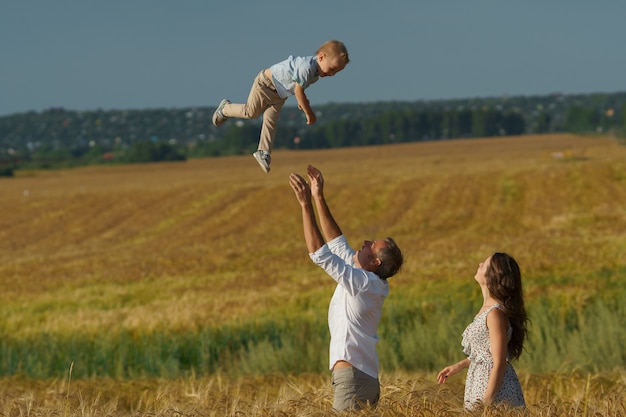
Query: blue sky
point(136, 54)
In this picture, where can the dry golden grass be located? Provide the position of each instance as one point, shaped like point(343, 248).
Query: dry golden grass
point(180, 245)
point(303, 395)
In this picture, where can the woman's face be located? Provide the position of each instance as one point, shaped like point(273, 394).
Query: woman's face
point(481, 272)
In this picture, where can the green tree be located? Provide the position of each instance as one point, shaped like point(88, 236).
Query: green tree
point(579, 119)
point(48, 156)
point(513, 123)
point(147, 151)
point(542, 123)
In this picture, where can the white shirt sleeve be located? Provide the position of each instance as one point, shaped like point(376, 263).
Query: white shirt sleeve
point(335, 257)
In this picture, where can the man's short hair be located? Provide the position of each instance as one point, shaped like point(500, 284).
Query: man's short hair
point(390, 259)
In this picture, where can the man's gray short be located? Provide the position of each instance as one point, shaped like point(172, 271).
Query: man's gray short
point(354, 389)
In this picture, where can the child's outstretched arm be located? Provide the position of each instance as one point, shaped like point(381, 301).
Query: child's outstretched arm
point(303, 104)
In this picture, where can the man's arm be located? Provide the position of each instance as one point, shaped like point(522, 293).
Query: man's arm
point(329, 226)
point(312, 234)
point(304, 105)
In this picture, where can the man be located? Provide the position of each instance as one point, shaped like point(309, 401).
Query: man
point(356, 306)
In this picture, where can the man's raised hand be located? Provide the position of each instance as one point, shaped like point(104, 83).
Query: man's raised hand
point(300, 188)
point(316, 179)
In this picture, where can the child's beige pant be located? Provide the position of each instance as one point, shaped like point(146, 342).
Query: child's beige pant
point(263, 98)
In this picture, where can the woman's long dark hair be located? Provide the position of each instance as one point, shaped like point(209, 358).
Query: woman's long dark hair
point(504, 281)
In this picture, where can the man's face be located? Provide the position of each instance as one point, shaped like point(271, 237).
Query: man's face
point(367, 254)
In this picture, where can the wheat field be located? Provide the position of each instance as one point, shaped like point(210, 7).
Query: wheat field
point(150, 245)
point(403, 395)
point(211, 242)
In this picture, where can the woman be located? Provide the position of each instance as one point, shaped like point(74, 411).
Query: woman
point(495, 337)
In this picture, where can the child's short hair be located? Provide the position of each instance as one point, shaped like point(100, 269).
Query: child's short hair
point(335, 48)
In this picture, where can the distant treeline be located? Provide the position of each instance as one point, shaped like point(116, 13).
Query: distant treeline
point(58, 137)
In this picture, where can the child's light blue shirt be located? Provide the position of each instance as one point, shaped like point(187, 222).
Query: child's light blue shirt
point(294, 70)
